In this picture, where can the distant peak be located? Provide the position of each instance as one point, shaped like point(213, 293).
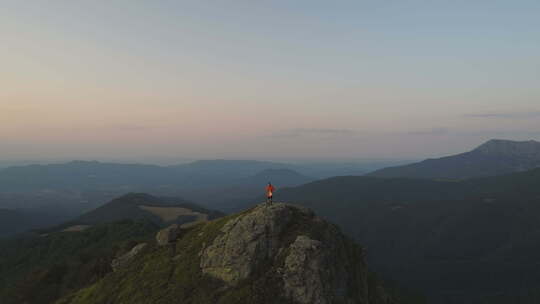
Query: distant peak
point(510, 147)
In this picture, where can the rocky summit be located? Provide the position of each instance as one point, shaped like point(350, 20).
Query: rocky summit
point(277, 253)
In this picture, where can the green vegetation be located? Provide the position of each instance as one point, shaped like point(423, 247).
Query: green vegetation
point(172, 274)
point(40, 269)
point(162, 275)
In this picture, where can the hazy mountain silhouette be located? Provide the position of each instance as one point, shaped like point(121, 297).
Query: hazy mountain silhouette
point(494, 157)
point(70, 189)
point(98, 175)
point(227, 195)
point(285, 177)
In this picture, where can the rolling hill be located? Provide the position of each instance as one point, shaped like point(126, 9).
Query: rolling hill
point(495, 157)
point(140, 206)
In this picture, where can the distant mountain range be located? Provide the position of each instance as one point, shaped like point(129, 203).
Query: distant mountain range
point(69, 189)
point(97, 175)
point(58, 192)
point(494, 157)
point(456, 241)
point(225, 196)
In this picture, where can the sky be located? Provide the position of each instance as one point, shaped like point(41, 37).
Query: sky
point(265, 79)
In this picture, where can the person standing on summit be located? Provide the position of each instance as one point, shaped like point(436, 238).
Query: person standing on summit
point(269, 193)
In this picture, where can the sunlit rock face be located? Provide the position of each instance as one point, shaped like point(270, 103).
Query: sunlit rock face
point(313, 261)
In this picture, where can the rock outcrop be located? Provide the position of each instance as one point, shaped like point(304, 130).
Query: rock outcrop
point(246, 242)
point(309, 275)
point(126, 258)
point(269, 254)
point(316, 262)
point(168, 235)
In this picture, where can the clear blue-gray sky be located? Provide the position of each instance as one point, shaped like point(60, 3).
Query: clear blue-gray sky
point(266, 79)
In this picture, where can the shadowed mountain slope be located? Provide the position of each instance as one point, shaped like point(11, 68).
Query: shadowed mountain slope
point(458, 242)
point(40, 269)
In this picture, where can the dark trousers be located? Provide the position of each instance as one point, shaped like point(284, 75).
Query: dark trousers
point(269, 200)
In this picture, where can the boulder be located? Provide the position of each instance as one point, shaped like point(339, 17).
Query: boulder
point(168, 235)
point(312, 274)
point(126, 258)
point(245, 242)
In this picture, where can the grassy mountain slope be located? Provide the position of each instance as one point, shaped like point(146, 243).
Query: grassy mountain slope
point(177, 273)
point(41, 269)
point(129, 206)
point(139, 206)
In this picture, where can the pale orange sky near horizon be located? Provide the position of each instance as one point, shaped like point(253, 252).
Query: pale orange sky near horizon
point(252, 80)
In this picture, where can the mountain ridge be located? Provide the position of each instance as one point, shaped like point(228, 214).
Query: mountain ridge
point(267, 254)
point(494, 157)
point(529, 148)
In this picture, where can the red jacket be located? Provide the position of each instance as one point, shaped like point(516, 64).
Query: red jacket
point(269, 190)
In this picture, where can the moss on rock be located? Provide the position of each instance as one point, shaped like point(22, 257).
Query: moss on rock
point(263, 255)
